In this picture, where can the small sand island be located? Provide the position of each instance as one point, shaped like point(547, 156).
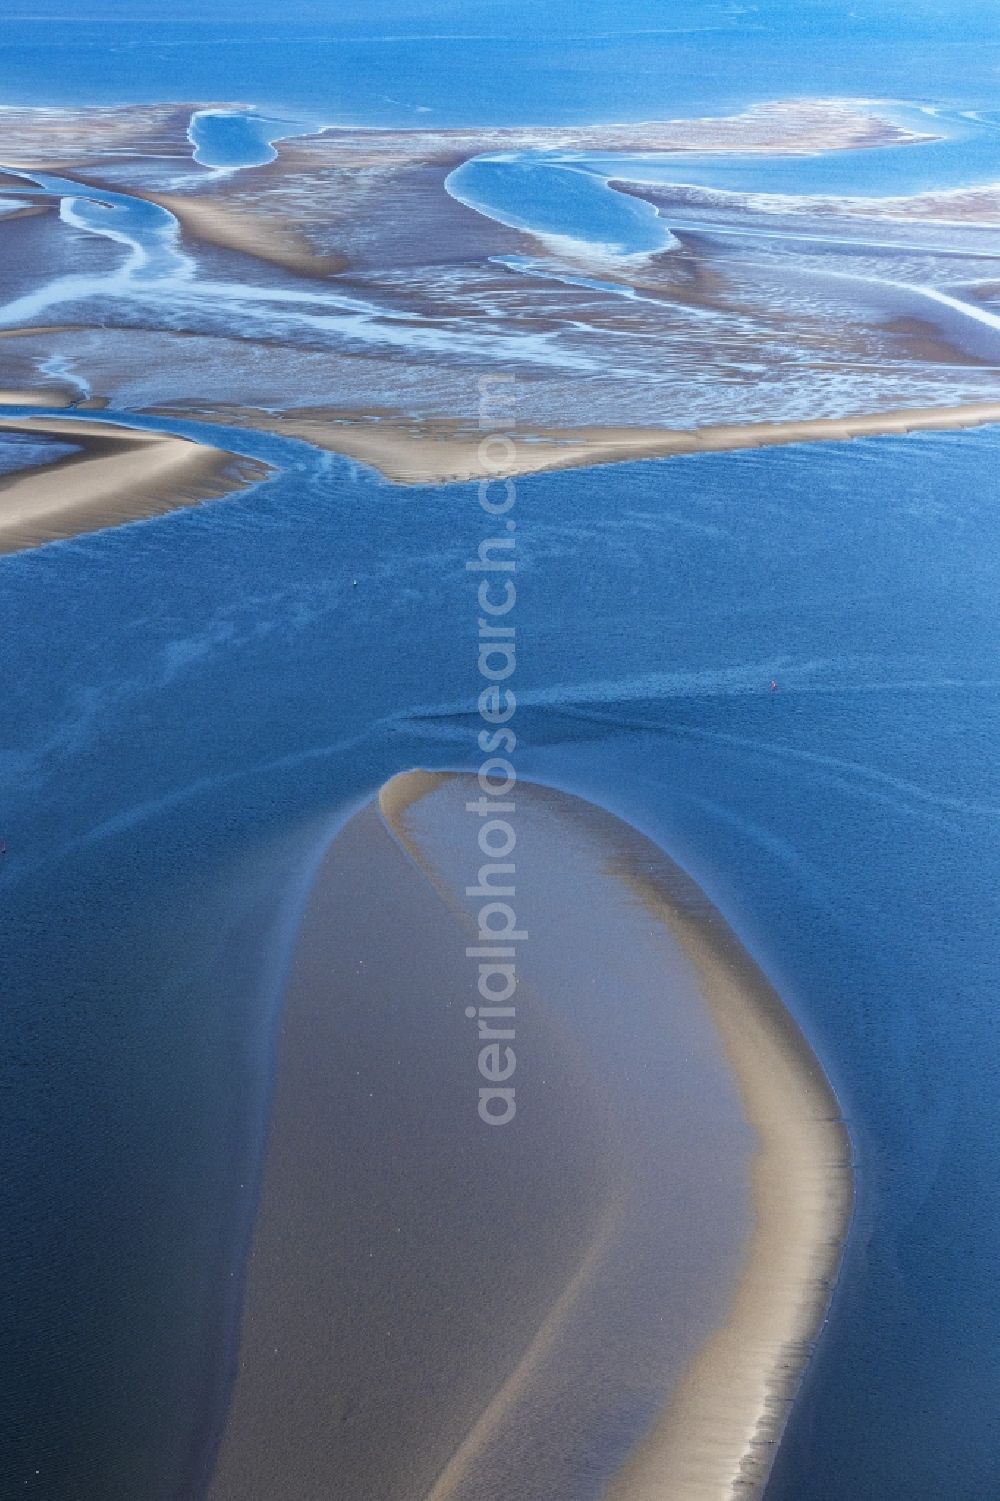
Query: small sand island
point(627, 1280)
point(110, 475)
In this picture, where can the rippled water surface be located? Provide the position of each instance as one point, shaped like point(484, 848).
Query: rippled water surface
point(191, 704)
point(477, 62)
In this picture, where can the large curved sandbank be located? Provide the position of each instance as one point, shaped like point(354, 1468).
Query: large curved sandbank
point(112, 475)
point(615, 1292)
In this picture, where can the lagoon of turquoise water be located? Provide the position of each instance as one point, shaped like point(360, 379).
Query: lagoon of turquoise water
point(568, 194)
point(226, 139)
point(552, 195)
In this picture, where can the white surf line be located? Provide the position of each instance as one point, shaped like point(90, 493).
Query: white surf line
point(968, 310)
point(546, 271)
point(348, 318)
point(898, 246)
point(59, 367)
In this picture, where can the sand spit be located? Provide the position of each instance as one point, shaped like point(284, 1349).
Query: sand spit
point(436, 451)
point(267, 238)
point(119, 474)
point(49, 398)
point(797, 126)
point(34, 398)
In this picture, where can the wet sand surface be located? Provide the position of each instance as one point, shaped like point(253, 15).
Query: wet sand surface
point(345, 273)
point(438, 1308)
point(442, 451)
point(272, 240)
point(116, 474)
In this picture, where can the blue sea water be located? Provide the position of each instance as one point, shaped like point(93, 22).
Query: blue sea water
point(483, 61)
point(191, 704)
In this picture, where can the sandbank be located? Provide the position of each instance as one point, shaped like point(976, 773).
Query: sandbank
point(36, 398)
point(436, 1310)
point(267, 238)
point(435, 451)
point(119, 474)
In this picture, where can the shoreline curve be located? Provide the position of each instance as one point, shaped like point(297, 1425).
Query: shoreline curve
point(441, 450)
point(718, 1434)
point(113, 475)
